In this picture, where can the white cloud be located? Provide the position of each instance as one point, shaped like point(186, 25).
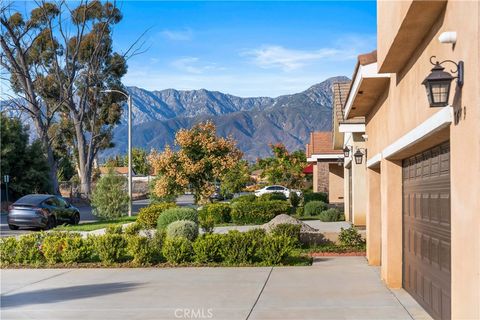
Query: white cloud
point(178, 35)
point(274, 56)
point(193, 65)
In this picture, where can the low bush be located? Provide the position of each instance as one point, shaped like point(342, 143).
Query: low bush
point(245, 198)
point(258, 212)
point(176, 214)
point(207, 223)
point(110, 247)
point(114, 229)
point(52, 247)
point(238, 247)
point(314, 208)
point(288, 230)
point(272, 196)
point(142, 249)
point(148, 216)
point(275, 248)
point(299, 211)
point(207, 248)
point(219, 211)
point(315, 196)
point(177, 250)
point(329, 215)
point(132, 229)
point(183, 228)
point(29, 248)
point(294, 199)
point(8, 250)
point(77, 249)
point(350, 237)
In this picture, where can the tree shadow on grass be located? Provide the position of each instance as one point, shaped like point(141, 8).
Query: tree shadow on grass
point(45, 296)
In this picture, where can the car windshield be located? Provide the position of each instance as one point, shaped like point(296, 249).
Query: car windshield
point(31, 200)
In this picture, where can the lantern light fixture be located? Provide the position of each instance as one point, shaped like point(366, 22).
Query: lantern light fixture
point(346, 152)
point(358, 155)
point(438, 82)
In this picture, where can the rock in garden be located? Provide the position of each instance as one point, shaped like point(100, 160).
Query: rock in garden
point(285, 218)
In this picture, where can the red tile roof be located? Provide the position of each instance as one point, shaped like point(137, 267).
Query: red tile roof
point(321, 143)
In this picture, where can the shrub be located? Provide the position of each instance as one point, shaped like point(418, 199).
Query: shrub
point(313, 208)
point(288, 230)
point(109, 198)
point(132, 229)
point(315, 196)
point(183, 228)
point(177, 250)
point(207, 248)
point(295, 199)
point(8, 250)
point(114, 229)
point(207, 223)
point(76, 249)
point(29, 248)
point(238, 247)
point(330, 215)
point(175, 214)
point(275, 248)
point(148, 216)
point(142, 249)
point(52, 247)
point(299, 211)
point(258, 212)
point(219, 211)
point(110, 247)
point(272, 196)
point(350, 237)
point(245, 198)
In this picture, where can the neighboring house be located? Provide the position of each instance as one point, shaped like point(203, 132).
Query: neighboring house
point(327, 166)
point(256, 175)
point(348, 137)
point(123, 171)
point(423, 175)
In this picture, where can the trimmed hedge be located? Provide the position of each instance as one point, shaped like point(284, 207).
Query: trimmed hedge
point(272, 196)
point(238, 247)
point(148, 216)
point(275, 248)
point(176, 214)
point(330, 215)
point(258, 212)
point(110, 247)
point(183, 228)
point(207, 248)
point(313, 208)
point(289, 230)
point(178, 250)
point(315, 196)
point(245, 198)
point(220, 212)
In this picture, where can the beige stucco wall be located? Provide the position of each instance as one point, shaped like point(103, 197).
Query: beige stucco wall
point(346, 197)
point(373, 219)
point(359, 184)
point(335, 183)
point(403, 108)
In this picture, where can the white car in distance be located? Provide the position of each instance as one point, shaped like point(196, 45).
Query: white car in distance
point(277, 189)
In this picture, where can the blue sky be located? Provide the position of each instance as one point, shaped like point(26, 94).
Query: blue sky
point(245, 48)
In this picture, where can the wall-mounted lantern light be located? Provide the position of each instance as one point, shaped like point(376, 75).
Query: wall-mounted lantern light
point(358, 155)
point(439, 81)
point(346, 152)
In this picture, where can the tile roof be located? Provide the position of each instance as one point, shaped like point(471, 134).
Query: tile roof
point(321, 143)
point(340, 94)
point(117, 170)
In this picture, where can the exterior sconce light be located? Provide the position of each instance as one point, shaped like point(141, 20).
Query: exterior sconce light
point(358, 155)
point(346, 152)
point(439, 81)
point(340, 162)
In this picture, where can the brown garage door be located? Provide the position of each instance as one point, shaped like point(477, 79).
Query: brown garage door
point(426, 229)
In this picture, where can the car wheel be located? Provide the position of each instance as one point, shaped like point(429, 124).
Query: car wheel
point(76, 218)
point(12, 227)
point(52, 223)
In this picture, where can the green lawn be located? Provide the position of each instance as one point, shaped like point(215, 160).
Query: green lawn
point(90, 226)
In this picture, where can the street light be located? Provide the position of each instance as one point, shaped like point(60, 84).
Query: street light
point(129, 146)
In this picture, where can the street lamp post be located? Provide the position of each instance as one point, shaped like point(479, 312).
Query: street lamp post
point(129, 147)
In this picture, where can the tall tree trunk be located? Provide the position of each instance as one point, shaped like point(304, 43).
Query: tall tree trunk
point(83, 165)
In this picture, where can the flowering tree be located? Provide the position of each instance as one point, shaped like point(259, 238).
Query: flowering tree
point(284, 168)
point(201, 160)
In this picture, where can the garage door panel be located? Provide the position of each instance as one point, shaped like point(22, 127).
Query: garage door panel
point(426, 229)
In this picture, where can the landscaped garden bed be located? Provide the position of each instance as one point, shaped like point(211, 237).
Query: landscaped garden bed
point(101, 224)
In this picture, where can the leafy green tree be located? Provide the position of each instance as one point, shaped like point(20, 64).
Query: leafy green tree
point(235, 179)
point(140, 162)
point(110, 198)
point(284, 168)
point(25, 163)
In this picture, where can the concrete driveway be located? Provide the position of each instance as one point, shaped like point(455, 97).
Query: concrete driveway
point(334, 288)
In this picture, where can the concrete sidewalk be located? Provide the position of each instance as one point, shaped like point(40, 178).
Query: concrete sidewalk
point(334, 288)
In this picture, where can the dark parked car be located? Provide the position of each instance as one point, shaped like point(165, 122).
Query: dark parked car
point(42, 211)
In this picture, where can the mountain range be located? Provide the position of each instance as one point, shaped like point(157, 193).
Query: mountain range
point(253, 122)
